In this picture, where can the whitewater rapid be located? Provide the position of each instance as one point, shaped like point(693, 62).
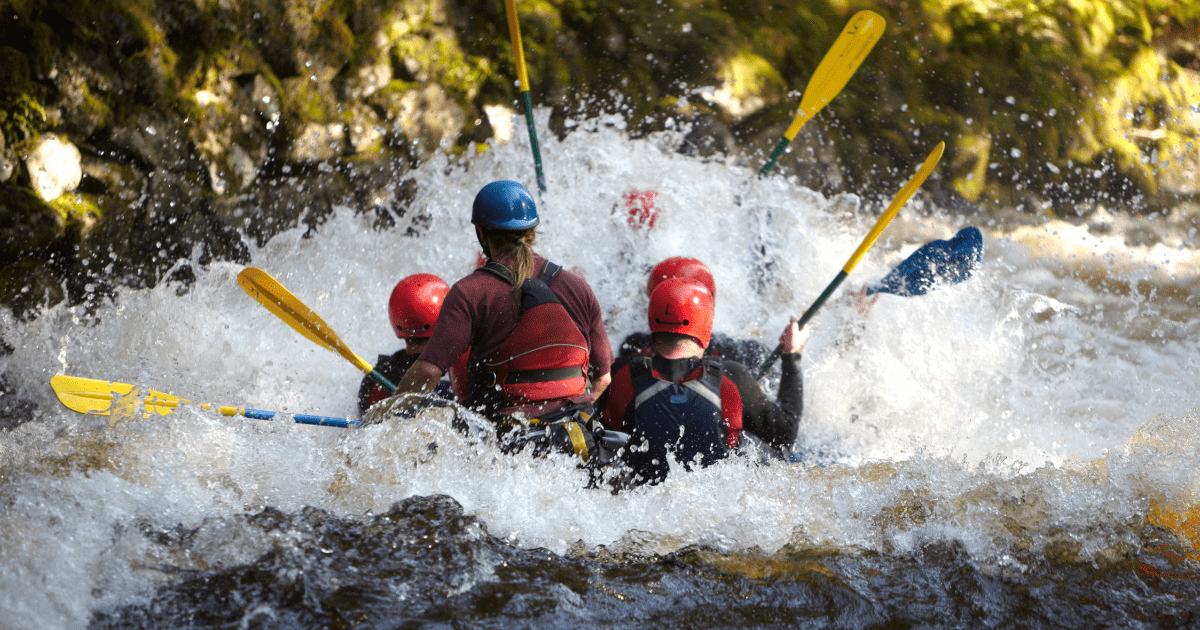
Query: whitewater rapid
point(1057, 385)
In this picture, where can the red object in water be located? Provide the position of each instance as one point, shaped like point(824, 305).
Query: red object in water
point(640, 206)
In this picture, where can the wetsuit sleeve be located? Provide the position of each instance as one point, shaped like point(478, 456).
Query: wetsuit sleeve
point(615, 400)
point(392, 368)
point(776, 423)
point(452, 332)
point(364, 394)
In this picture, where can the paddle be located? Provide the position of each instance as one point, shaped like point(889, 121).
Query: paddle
point(514, 30)
point(831, 75)
point(936, 262)
point(893, 209)
point(294, 313)
point(102, 398)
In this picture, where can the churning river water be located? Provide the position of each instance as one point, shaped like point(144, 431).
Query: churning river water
point(1021, 450)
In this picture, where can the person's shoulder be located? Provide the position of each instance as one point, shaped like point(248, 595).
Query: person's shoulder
point(571, 282)
point(474, 282)
point(738, 372)
point(744, 351)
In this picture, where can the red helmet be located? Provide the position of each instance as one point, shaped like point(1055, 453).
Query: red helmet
point(415, 304)
point(683, 306)
point(680, 267)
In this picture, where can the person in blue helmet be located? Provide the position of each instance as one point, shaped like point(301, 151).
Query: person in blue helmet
point(538, 348)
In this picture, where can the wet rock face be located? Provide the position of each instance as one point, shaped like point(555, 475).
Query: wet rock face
point(8, 162)
point(181, 113)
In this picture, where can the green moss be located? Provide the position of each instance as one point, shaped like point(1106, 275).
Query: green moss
point(968, 165)
point(77, 208)
point(750, 75)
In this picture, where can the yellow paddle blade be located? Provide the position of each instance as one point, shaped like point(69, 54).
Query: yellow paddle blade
point(102, 398)
point(294, 313)
point(839, 64)
point(897, 203)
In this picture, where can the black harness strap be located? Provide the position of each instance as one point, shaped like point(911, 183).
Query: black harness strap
point(550, 271)
point(540, 376)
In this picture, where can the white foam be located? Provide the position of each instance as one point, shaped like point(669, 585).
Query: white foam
point(934, 415)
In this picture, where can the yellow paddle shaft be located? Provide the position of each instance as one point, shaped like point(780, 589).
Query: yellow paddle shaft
point(897, 203)
point(268, 292)
point(514, 29)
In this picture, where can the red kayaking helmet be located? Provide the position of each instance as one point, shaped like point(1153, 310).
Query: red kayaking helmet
point(680, 267)
point(683, 306)
point(415, 304)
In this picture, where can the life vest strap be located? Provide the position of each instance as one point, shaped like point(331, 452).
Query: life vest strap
point(541, 376)
point(550, 271)
point(642, 371)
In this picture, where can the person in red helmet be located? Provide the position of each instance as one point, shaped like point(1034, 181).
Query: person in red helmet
point(413, 310)
point(744, 351)
point(677, 403)
point(537, 344)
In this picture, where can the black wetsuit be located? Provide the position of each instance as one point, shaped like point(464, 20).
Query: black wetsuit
point(748, 352)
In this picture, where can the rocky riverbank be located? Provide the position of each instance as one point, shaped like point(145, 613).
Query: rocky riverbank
point(136, 134)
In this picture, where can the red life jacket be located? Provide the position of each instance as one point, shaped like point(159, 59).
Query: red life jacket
point(546, 356)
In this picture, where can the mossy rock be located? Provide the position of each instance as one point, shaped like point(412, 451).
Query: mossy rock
point(30, 226)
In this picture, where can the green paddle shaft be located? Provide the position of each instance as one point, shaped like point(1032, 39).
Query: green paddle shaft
point(382, 380)
point(893, 209)
point(514, 30)
point(533, 142)
point(779, 148)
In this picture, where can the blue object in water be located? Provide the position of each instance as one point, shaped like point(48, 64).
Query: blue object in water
point(935, 262)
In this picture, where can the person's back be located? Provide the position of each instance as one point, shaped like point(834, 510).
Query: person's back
point(680, 404)
point(533, 330)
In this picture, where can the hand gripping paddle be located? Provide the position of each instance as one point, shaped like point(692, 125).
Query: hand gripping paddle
point(897, 203)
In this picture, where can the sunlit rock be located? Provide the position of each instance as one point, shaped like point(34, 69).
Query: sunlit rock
point(233, 137)
point(369, 79)
point(365, 133)
point(155, 142)
point(749, 83)
point(429, 120)
point(53, 167)
point(317, 142)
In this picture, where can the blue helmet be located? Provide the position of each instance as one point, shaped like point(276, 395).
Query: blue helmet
point(506, 206)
